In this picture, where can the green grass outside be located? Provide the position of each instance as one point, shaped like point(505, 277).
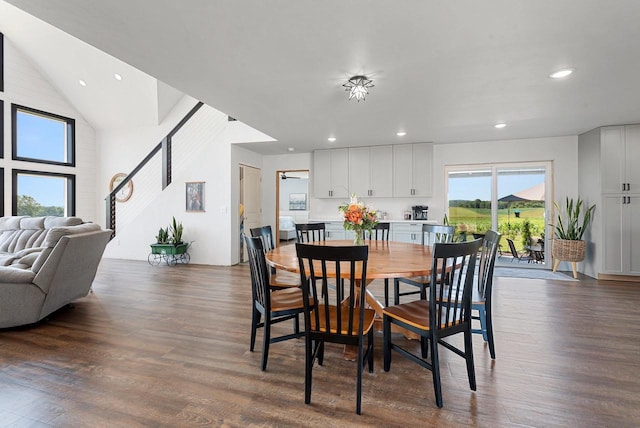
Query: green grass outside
point(478, 220)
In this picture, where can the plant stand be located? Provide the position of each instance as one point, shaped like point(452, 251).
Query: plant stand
point(169, 253)
point(565, 250)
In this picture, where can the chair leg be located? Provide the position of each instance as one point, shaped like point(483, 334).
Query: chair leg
point(370, 350)
point(424, 347)
point(386, 291)
point(396, 292)
point(296, 324)
point(265, 342)
point(468, 356)
point(308, 367)
point(255, 320)
point(386, 342)
point(435, 370)
point(359, 377)
point(489, 321)
point(483, 322)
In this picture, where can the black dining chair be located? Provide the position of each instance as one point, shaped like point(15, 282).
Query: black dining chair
point(276, 279)
point(446, 313)
point(431, 234)
point(310, 232)
point(274, 305)
point(336, 317)
point(481, 297)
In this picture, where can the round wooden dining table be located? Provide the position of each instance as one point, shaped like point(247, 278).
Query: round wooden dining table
point(387, 259)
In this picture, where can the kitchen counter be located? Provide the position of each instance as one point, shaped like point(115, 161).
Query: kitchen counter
point(316, 220)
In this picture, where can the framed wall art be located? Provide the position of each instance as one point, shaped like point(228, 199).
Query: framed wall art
point(195, 196)
point(297, 201)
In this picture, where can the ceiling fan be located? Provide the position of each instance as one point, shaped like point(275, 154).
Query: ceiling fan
point(284, 176)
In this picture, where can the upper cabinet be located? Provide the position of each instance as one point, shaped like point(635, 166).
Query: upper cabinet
point(619, 153)
point(413, 170)
point(370, 171)
point(331, 173)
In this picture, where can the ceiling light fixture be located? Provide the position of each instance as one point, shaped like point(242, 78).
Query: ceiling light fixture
point(291, 149)
point(332, 139)
point(82, 82)
point(358, 87)
point(499, 125)
point(401, 133)
point(117, 76)
point(562, 73)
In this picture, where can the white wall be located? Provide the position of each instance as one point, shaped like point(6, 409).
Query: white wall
point(206, 158)
point(25, 85)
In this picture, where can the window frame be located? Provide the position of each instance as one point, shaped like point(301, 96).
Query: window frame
point(71, 188)
point(1, 62)
point(71, 135)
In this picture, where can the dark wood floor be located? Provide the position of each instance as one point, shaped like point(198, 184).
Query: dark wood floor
point(168, 346)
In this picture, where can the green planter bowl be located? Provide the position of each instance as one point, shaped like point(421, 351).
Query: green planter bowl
point(169, 249)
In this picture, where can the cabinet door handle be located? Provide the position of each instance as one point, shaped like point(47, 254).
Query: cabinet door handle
point(628, 186)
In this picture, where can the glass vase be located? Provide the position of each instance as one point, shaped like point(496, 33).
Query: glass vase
point(358, 237)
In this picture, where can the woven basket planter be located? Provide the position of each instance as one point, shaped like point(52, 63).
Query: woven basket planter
point(569, 251)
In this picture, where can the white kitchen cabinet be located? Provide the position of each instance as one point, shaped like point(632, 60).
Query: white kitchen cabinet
point(331, 173)
point(619, 155)
point(371, 171)
point(334, 231)
point(407, 232)
point(610, 178)
point(413, 170)
point(621, 234)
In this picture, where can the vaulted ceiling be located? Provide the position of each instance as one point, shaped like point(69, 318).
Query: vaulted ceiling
point(444, 71)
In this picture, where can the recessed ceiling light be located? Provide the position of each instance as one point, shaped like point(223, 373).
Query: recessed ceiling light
point(499, 125)
point(117, 76)
point(401, 133)
point(82, 82)
point(291, 149)
point(332, 139)
point(562, 73)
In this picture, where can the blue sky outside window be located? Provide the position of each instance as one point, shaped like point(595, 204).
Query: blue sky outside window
point(41, 137)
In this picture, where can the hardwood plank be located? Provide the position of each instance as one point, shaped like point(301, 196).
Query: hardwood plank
point(168, 346)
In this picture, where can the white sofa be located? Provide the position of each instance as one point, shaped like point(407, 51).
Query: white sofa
point(45, 263)
point(287, 229)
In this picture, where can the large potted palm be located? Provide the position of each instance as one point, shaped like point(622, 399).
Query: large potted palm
point(572, 222)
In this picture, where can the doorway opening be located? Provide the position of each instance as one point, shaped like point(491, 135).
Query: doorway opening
point(292, 202)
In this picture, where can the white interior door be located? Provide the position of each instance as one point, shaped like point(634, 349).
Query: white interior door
point(251, 200)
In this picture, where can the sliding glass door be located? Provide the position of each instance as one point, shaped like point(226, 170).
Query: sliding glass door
point(510, 198)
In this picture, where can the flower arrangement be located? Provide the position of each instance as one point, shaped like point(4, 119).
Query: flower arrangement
point(358, 217)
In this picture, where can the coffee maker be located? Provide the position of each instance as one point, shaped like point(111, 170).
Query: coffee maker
point(420, 212)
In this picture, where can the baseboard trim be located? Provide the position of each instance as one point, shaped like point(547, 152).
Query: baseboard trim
point(626, 278)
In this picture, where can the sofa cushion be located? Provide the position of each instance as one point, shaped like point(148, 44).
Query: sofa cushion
point(32, 223)
point(10, 223)
point(51, 221)
point(11, 274)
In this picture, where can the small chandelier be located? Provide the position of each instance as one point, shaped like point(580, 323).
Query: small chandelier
point(358, 87)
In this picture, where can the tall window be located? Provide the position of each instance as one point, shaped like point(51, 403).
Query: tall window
point(43, 193)
point(1, 62)
point(42, 137)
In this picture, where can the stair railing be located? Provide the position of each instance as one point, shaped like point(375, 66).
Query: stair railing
point(165, 146)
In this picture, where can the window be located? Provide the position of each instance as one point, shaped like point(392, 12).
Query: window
point(43, 193)
point(509, 198)
point(42, 137)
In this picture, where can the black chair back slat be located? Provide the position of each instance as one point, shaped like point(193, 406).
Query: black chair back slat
point(349, 265)
point(311, 232)
point(380, 232)
point(259, 272)
point(451, 297)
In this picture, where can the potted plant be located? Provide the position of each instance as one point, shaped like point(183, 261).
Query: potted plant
point(169, 240)
point(572, 223)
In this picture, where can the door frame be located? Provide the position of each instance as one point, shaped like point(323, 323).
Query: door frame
point(279, 172)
